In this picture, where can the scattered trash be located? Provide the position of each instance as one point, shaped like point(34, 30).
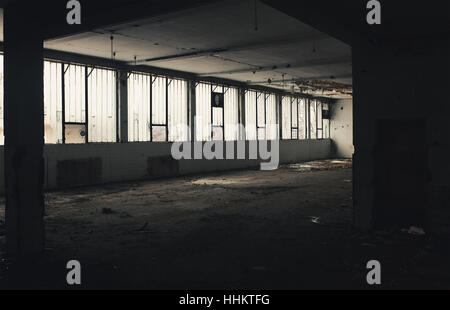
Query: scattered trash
point(315, 220)
point(321, 165)
point(124, 215)
point(259, 268)
point(414, 230)
point(144, 227)
point(107, 211)
point(368, 245)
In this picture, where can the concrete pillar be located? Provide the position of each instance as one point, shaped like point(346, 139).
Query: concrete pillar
point(123, 106)
point(24, 132)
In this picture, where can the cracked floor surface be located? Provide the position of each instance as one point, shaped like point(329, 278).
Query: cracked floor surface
point(283, 229)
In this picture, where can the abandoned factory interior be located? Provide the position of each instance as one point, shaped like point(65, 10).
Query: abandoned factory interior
point(224, 145)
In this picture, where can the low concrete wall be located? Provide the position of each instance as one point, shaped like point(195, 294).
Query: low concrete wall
point(118, 162)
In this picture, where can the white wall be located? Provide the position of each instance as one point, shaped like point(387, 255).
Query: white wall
point(128, 161)
point(342, 128)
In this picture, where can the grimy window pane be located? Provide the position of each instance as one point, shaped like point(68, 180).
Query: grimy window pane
point(159, 134)
point(312, 121)
point(250, 115)
point(301, 119)
point(139, 107)
point(294, 134)
point(217, 117)
point(102, 105)
point(326, 123)
point(231, 114)
point(271, 114)
point(217, 133)
point(203, 104)
point(319, 114)
point(52, 102)
point(177, 93)
point(159, 101)
point(286, 118)
point(217, 112)
point(75, 133)
point(261, 109)
point(294, 112)
point(319, 121)
point(74, 88)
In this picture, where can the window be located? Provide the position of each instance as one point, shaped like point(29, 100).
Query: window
point(139, 107)
point(271, 117)
point(178, 110)
point(250, 115)
point(102, 105)
point(217, 123)
point(231, 98)
point(261, 116)
point(159, 128)
point(302, 128)
point(203, 112)
point(286, 132)
point(313, 119)
point(294, 118)
point(218, 113)
point(326, 122)
point(53, 102)
point(80, 105)
point(74, 123)
point(319, 121)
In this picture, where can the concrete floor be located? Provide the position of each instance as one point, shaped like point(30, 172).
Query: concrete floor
point(283, 229)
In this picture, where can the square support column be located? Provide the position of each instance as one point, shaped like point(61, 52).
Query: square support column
point(24, 132)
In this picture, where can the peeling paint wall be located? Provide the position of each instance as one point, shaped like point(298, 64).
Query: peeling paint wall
point(342, 128)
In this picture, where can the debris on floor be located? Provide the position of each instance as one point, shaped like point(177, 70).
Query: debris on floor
point(315, 220)
point(322, 165)
point(107, 211)
point(413, 230)
point(144, 227)
point(259, 268)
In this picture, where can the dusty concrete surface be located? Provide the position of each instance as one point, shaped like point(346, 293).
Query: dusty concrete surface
point(284, 229)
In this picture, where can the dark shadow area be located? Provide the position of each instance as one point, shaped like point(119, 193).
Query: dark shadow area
point(284, 229)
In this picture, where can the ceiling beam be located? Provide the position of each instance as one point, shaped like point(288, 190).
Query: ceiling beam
point(310, 37)
point(311, 78)
point(303, 64)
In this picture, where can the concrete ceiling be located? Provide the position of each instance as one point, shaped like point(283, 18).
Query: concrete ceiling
point(225, 40)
